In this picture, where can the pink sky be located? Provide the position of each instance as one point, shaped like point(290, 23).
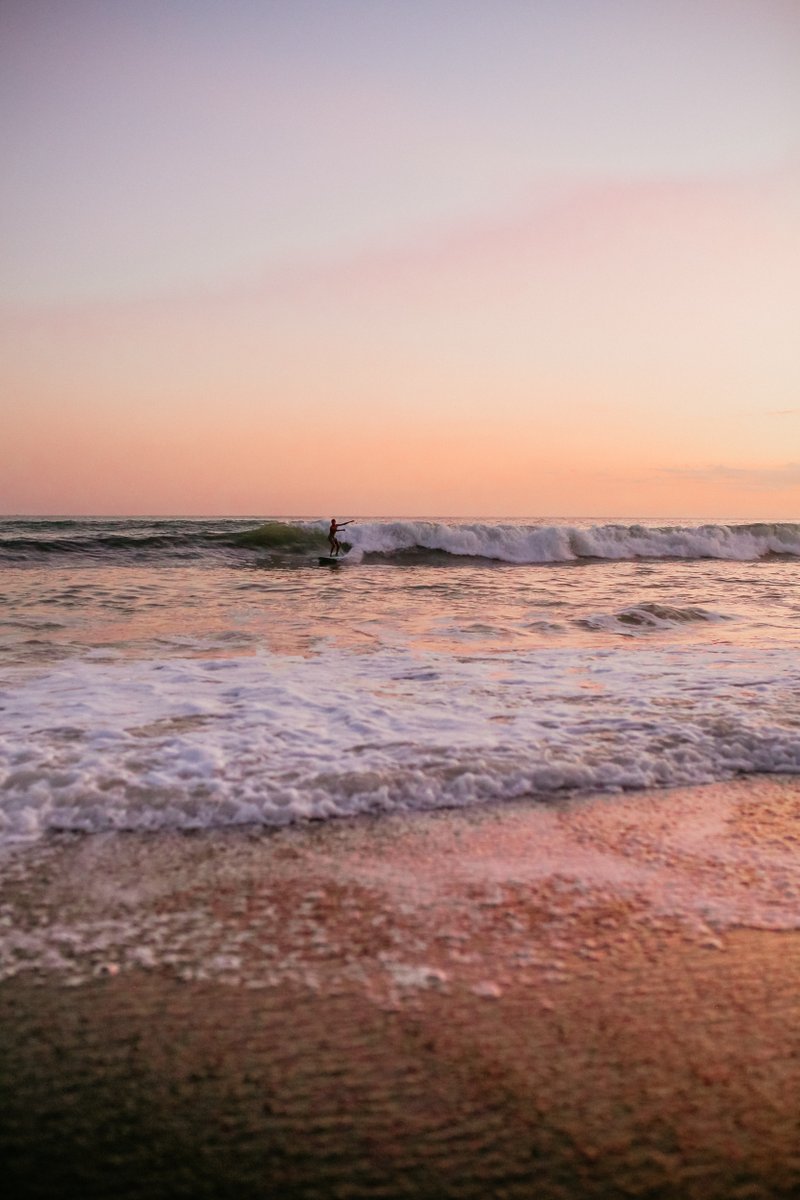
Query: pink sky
point(532, 259)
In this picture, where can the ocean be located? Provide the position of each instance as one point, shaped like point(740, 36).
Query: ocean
point(204, 673)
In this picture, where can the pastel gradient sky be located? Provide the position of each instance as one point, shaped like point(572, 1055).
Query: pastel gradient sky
point(379, 257)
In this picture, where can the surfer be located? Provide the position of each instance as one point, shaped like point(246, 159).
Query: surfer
point(335, 544)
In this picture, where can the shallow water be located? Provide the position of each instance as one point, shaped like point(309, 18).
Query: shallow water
point(173, 674)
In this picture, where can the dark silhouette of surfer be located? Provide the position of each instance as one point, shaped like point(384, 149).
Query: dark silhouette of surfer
point(335, 544)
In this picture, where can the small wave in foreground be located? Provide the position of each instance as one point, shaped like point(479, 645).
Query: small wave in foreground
point(648, 616)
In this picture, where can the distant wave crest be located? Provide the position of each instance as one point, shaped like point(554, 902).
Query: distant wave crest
point(37, 540)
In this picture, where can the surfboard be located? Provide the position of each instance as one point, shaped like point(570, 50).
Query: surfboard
point(328, 560)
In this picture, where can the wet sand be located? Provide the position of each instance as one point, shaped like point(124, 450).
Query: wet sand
point(593, 999)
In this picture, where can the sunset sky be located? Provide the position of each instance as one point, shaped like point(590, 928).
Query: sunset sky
point(400, 257)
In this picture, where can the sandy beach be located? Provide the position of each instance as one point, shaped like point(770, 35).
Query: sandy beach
point(594, 998)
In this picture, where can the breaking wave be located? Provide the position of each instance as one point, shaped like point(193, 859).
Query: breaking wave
point(400, 541)
point(571, 543)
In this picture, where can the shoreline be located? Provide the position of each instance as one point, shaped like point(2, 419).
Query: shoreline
point(586, 999)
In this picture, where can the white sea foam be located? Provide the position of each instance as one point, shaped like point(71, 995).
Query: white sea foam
point(186, 743)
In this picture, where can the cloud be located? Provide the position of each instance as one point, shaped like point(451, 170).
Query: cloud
point(783, 412)
point(784, 476)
